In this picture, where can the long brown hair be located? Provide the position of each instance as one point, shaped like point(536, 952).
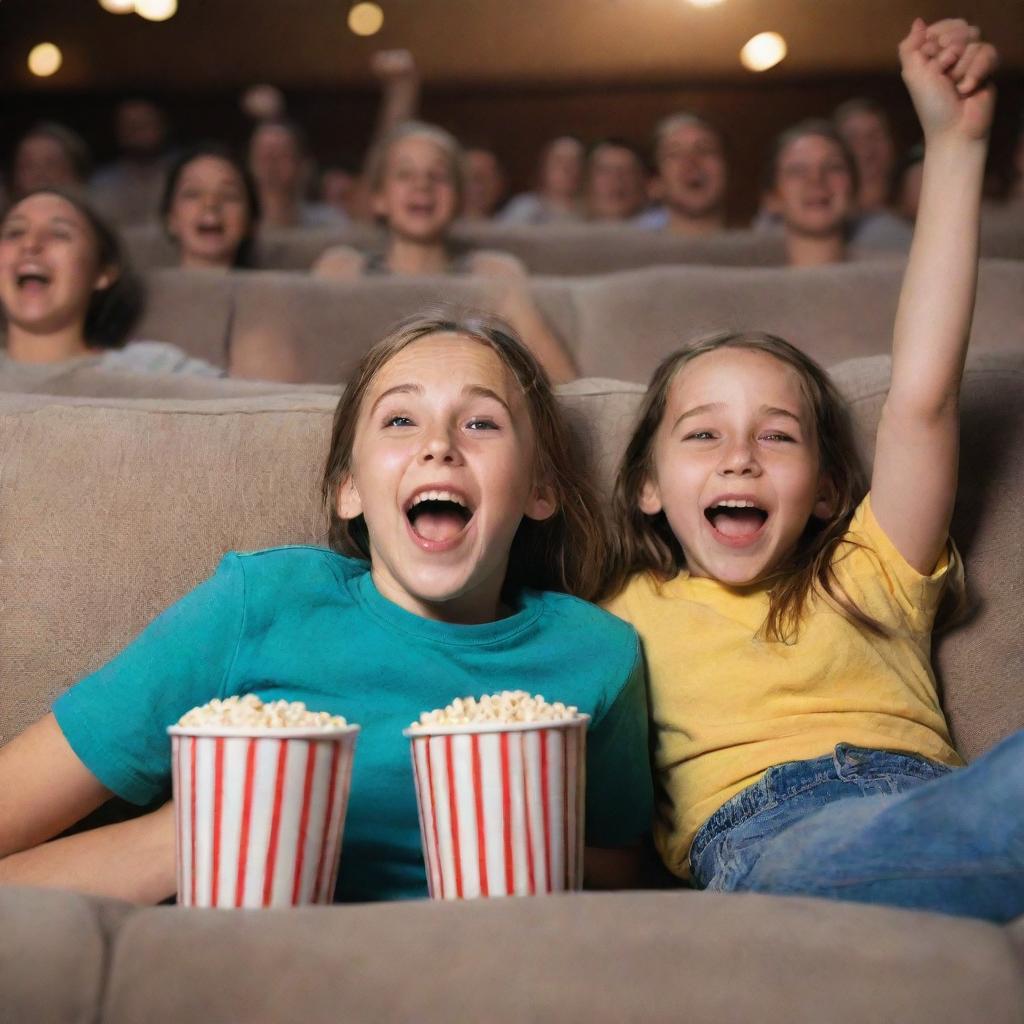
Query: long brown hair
point(646, 543)
point(564, 552)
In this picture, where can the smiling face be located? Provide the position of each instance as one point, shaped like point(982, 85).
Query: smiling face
point(209, 214)
point(49, 265)
point(561, 172)
point(417, 195)
point(813, 190)
point(443, 471)
point(691, 166)
point(616, 183)
point(736, 468)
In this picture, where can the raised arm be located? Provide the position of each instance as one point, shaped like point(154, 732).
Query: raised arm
point(947, 70)
point(44, 789)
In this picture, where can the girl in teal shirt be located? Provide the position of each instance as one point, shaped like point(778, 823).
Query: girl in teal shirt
point(458, 528)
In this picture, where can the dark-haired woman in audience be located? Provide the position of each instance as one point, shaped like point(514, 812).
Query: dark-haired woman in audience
point(49, 155)
point(811, 187)
point(67, 295)
point(210, 209)
point(556, 199)
point(416, 185)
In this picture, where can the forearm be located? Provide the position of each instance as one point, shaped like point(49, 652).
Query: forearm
point(936, 304)
point(133, 860)
point(399, 103)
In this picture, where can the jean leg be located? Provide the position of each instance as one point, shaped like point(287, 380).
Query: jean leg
point(954, 844)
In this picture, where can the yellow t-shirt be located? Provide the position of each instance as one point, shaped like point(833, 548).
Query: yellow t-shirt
point(726, 706)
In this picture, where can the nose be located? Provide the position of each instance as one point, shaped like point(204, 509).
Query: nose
point(739, 459)
point(440, 447)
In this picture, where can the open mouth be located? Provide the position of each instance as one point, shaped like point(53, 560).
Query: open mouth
point(32, 278)
point(438, 516)
point(737, 519)
point(212, 230)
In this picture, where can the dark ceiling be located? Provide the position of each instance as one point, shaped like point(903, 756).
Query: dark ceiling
point(214, 44)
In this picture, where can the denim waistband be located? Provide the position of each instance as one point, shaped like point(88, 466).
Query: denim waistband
point(846, 763)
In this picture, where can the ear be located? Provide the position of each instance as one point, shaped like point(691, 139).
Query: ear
point(379, 204)
point(650, 497)
point(770, 201)
point(347, 503)
point(541, 504)
point(107, 277)
point(826, 500)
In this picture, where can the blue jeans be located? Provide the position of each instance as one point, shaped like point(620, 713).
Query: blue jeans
point(877, 827)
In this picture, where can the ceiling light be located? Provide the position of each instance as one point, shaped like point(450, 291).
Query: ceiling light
point(764, 51)
point(118, 6)
point(365, 19)
point(705, 3)
point(156, 10)
point(44, 60)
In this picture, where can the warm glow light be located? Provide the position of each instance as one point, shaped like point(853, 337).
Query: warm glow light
point(45, 60)
point(365, 19)
point(705, 3)
point(118, 6)
point(764, 51)
point(156, 10)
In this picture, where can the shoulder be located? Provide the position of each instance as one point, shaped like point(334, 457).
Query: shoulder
point(321, 215)
point(340, 261)
point(521, 209)
point(594, 628)
point(298, 565)
point(491, 263)
point(157, 357)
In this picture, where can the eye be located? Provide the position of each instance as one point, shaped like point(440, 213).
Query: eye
point(776, 435)
point(700, 435)
point(398, 421)
point(481, 423)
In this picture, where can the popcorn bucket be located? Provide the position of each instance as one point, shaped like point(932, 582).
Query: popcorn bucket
point(501, 806)
point(259, 813)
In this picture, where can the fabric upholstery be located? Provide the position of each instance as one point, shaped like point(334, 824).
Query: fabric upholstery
point(54, 954)
point(644, 957)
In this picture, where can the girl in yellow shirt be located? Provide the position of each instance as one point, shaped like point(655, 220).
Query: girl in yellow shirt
point(786, 609)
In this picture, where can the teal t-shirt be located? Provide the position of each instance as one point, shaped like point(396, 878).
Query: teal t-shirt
point(304, 623)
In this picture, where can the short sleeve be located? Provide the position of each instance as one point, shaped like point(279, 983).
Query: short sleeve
point(619, 786)
point(876, 576)
point(116, 719)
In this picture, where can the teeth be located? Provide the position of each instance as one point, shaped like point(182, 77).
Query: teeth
point(437, 496)
point(734, 503)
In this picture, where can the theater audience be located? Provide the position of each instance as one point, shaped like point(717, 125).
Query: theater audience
point(811, 186)
point(128, 190)
point(691, 178)
point(68, 297)
point(49, 155)
point(339, 189)
point(864, 127)
point(556, 199)
point(616, 181)
point(486, 184)
point(416, 182)
point(210, 209)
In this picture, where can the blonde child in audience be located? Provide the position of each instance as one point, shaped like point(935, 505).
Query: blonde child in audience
point(459, 524)
point(68, 297)
point(786, 614)
point(210, 209)
point(416, 183)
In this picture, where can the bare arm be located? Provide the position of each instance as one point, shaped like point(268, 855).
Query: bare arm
point(512, 300)
point(44, 789)
point(914, 480)
point(400, 82)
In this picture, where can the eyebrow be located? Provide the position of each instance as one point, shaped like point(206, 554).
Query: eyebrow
point(481, 392)
point(765, 410)
point(398, 389)
point(475, 390)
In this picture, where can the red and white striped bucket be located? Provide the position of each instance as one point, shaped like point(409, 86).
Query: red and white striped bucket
point(259, 813)
point(501, 807)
